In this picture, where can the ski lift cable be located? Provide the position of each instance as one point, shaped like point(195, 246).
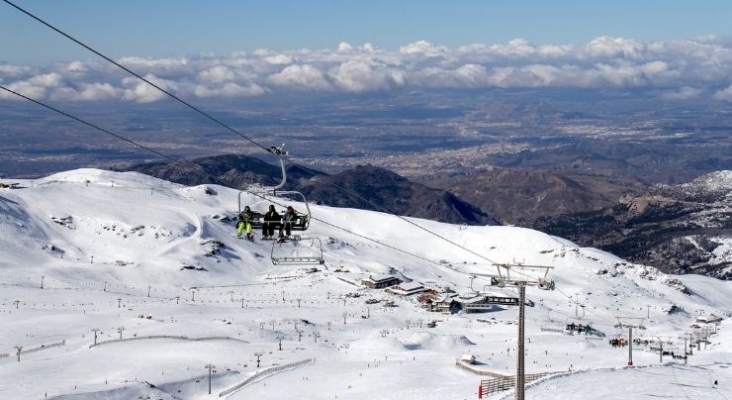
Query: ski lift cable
point(569, 297)
point(184, 161)
point(378, 207)
point(217, 121)
point(585, 308)
point(392, 247)
point(194, 108)
point(120, 137)
point(354, 233)
point(89, 124)
point(227, 127)
point(566, 315)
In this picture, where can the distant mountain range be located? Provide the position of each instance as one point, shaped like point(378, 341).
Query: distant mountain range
point(520, 196)
point(677, 228)
point(364, 187)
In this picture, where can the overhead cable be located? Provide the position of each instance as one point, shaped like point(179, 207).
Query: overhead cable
point(225, 126)
point(268, 149)
point(197, 166)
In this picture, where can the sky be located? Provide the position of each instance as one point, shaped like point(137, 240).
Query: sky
point(189, 27)
point(129, 258)
point(239, 49)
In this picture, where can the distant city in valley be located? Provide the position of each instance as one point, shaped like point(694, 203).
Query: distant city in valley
point(416, 134)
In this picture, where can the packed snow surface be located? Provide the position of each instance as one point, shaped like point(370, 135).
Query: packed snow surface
point(122, 286)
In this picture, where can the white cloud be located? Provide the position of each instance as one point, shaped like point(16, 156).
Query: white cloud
point(623, 75)
point(369, 48)
point(683, 93)
point(36, 87)
point(280, 59)
point(141, 92)
point(654, 68)
point(362, 76)
point(610, 47)
point(553, 51)
point(167, 68)
point(26, 89)
point(86, 92)
point(424, 48)
point(702, 63)
point(466, 76)
point(77, 66)
point(47, 80)
point(472, 74)
point(544, 75)
point(154, 63)
point(228, 90)
point(344, 47)
point(516, 47)
point(724, 95)
point(13, 71)
point(216, 74)
point(302, 77)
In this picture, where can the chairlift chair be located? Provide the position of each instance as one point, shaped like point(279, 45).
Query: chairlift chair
point(273, 195)
point(298, 251)
point(577, 325)
point(301, 222)
point(579, 315)
point(552, 326)
point(546, 284)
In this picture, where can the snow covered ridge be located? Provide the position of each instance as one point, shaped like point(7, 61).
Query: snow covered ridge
point(644, 272)
point(122, 219)
point(715, 184)
point(133, 219)
point(91, 256)
point(679, 229)
point(719, 180)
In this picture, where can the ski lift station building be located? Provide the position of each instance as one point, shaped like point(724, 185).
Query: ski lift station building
point(407, 288)
point(380, 281)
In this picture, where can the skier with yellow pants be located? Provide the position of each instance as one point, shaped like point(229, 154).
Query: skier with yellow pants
point(245, 224)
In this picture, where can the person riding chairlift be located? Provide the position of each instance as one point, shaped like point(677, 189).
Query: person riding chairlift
point(271, 220)
point(287, 220)
point(245, 223)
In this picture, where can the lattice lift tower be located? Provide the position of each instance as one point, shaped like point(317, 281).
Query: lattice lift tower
point(519, 276)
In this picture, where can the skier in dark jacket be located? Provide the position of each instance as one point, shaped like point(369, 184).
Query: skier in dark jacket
point(271, 220)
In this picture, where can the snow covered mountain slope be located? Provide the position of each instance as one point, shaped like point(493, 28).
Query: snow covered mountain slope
point(154, 273)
